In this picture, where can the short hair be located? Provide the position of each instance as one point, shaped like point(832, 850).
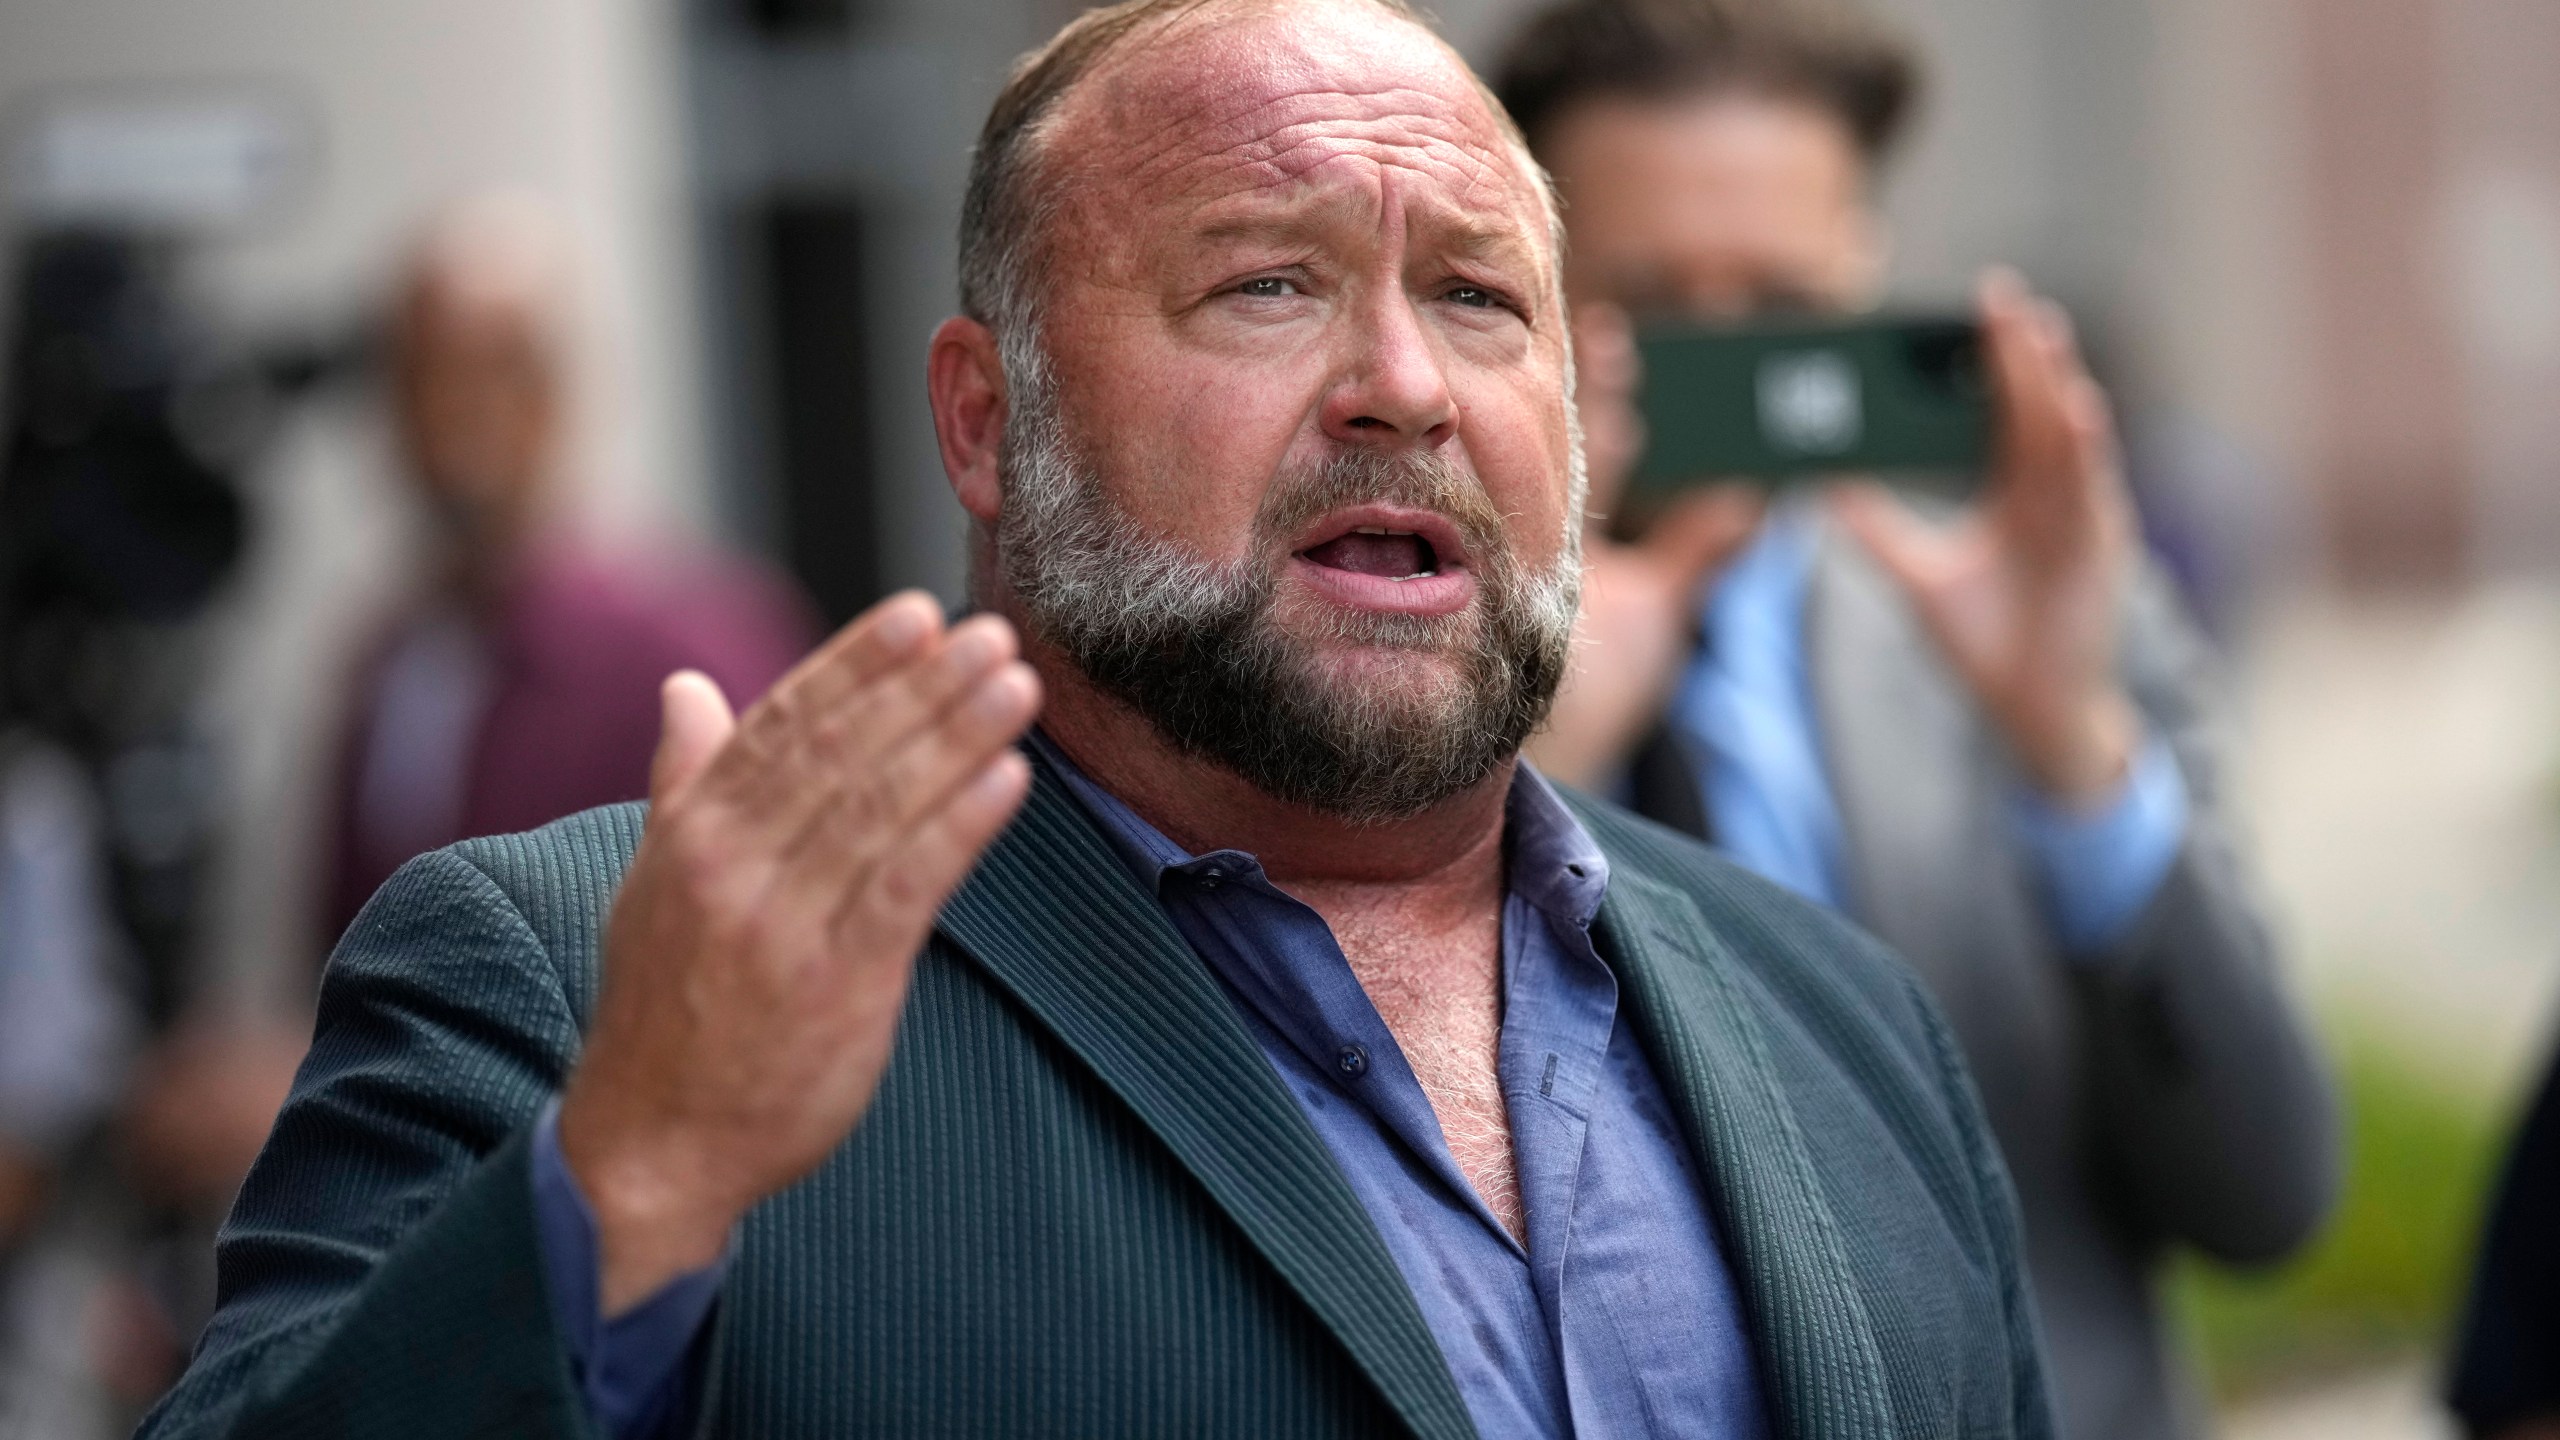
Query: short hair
point(1008, 201)
point(1820, 52)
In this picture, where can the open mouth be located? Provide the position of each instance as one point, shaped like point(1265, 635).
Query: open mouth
point(1378, 550)
point(1386, 542)
point(1401, 559)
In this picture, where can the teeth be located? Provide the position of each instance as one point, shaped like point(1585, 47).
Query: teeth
point(1378, 530)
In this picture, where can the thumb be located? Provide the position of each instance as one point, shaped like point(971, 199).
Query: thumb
point(693, 723)
point(1703, 531)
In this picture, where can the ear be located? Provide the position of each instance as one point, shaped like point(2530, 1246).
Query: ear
point(964, 379)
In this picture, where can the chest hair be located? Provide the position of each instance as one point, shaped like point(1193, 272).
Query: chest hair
point(1440, 993)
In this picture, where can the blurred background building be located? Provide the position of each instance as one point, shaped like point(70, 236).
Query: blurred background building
point(2316, 245)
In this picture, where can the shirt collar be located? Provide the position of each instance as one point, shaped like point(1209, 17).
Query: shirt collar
point(1555, 865)
point(1764, 586)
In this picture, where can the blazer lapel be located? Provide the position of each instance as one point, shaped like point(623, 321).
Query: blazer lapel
point(1701, 1027)
point(1055, 917)
point(1880, 699)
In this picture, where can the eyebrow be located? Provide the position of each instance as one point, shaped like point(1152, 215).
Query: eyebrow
point(1474, 238)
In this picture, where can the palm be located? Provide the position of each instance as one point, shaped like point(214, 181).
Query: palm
point(2020, 594)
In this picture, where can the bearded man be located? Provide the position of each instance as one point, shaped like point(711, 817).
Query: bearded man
point(1256, 1047)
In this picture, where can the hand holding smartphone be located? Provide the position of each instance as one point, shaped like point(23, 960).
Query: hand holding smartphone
point(1903, 398)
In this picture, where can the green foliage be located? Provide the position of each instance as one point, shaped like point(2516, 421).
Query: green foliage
point(2386, 1279)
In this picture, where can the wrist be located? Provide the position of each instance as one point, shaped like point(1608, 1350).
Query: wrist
point(2079, 755)
point(654, 1220)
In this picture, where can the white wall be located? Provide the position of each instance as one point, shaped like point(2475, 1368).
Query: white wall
point(415, 102)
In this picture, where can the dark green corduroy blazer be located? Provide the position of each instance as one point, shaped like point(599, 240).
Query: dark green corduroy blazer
point(1082, 1205)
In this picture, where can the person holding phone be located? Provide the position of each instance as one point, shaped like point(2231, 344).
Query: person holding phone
point(1985, 732)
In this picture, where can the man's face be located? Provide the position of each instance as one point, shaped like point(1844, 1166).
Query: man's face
point(1307, 370)
point(1713, 207)
point(475, 397)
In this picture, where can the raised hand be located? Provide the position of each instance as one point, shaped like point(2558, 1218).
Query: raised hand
point(1635, 629)
point(2021, 593)
point(758, 955)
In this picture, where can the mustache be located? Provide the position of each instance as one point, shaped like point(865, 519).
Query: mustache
point(1425, 480)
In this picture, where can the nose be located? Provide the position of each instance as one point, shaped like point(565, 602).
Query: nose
point(1390, 388)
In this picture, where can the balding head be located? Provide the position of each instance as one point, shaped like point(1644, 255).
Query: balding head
point(1019, 171)
point(479, 366)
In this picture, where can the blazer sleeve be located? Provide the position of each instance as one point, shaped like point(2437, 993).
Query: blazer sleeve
point(2216, 1123)
point(379, 1274)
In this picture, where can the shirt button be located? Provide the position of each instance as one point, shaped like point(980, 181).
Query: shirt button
point(1352, 1061)
point(1209, 879)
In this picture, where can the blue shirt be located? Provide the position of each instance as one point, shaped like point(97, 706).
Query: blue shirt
point(1744, 711)
point(1619, 1317)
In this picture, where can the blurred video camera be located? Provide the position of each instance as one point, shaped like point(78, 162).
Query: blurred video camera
point(127, 424)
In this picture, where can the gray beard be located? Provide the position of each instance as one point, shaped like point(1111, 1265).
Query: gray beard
point(1195, 646)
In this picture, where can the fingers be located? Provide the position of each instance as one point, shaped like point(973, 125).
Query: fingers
point(1604, 352)
point(874, 811)
point(694, 722)
point(902, 895)
point(2054, 466)
point(824, 699)
point(2030, 365)
point(1701, 531)
point(818, 755)
point(882, 639)
point(881, 716)
point(851, 762)
point(1607, 372)
point(2092, 423)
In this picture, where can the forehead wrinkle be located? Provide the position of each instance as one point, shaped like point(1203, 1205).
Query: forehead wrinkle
point(1285, 135)
point(1303, 163)
point(1471, 177)
point(1253, 81)
point(1216, 64)
point(1224, 112)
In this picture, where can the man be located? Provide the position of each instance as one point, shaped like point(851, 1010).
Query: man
point(1261, 1050)
point(518, 685)
point(521, 684)
point(1987, 737)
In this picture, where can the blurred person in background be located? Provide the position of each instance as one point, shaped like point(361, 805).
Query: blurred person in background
point(67, 1022)
point(119, 524)
point(66, 1018)
point(521, 685)
point(2506, 1373)
point(1989, 737)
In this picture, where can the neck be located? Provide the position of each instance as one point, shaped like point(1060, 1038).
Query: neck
point(1203, 806)
point(480, 555)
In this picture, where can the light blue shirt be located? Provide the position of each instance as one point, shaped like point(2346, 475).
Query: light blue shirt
point(1745, 712)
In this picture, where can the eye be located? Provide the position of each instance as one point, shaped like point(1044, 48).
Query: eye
point(1267, 287)
point(1483, 299)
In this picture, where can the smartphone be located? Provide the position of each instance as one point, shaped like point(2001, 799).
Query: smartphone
point(1901, 398)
